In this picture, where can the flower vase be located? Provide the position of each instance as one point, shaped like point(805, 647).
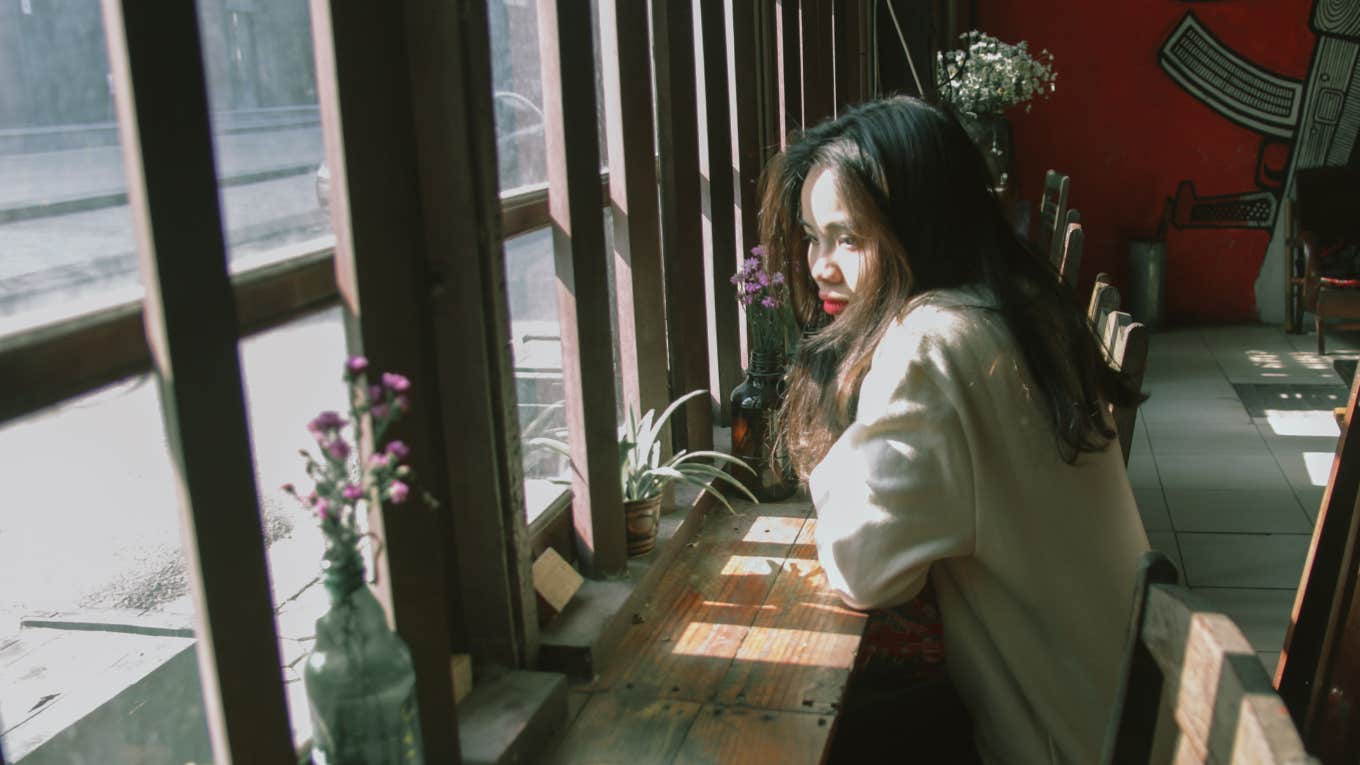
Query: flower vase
point(754, 405)
point(991, 133)
point(359, 679)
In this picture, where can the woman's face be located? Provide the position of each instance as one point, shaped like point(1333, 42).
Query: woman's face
point(835, 251)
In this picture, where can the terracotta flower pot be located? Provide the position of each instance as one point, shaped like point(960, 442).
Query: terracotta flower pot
point(642, 519)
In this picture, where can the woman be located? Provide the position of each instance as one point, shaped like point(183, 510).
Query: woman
point(947, 408)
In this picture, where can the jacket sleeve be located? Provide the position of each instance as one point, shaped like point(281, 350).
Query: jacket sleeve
point(895, 491)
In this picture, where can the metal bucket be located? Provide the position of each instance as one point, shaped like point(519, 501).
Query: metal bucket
point(1147, 282)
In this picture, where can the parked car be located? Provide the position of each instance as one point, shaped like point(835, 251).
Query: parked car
point(520, 148)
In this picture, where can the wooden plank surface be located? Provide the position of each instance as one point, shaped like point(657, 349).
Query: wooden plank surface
point(626, 729)
point(819, 83)
point(799, 651)
point(790, 68)
point(705, 604)
point(157, 73)
point(722, 735)
point(583, 298)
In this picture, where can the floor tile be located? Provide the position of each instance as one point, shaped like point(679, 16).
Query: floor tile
point(1216, 471)
point(1196, 437)
point(1194, 385)
point(1310, 499)
point(1143, 471)
point(1152, 506)
point(1243, 560)
point(1222, 409)
point(1236, 511)
point(1269, 660)
point(1165, 542)
point(1261, 614)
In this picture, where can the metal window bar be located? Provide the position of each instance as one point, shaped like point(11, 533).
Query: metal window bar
point(157, 68)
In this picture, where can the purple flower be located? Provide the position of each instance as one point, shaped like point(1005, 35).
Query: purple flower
point(352, 492)
point(395, 382)
point(397, 450)
point(777, 278)
point(356, 365)
point(326, 421)
point(289, 489)
point(758, 251)
point(770, 302)
point(322, 508)
point(338, 449)
point(398, 492)
point(375, 393)
point(763, 278)
point(379, 460)
point(379, 411)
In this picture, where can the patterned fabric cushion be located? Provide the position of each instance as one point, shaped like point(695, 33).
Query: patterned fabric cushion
point(906, 639)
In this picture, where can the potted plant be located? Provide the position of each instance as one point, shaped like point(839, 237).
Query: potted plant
point(644, 475)
point(982, 80)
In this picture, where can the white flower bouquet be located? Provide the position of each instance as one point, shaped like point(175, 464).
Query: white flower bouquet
point(988, 76)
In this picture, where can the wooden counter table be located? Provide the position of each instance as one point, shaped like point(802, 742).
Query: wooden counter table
point(741, 656)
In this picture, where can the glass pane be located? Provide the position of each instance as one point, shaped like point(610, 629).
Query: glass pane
point(97, 650)
point(66, 243)
point(292, 373)
point(518, 94)
point(266, 127)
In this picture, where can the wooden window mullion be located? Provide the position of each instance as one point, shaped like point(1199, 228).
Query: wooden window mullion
point(790, 69)
point(819, 84)
point(851, 53)
point(156, 62)
point(626, 61)
point(682, 216)
point(715, 159)
point(388, 289)
point(748, 129)
point(583, 297)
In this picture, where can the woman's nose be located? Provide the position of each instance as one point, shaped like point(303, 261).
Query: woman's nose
point(824, 269)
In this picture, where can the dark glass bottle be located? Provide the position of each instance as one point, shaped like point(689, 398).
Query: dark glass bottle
point(360, 682)
point(753, 404)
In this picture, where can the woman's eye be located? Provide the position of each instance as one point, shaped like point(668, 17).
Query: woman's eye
point(848, 242)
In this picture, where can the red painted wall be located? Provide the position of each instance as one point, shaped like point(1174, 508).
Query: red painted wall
point(1127, 134)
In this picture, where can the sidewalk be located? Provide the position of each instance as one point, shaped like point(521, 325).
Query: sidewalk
point(50, 183)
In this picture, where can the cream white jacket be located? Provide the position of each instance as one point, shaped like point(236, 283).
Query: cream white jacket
point(951, 466)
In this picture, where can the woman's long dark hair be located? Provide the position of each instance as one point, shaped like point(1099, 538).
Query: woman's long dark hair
point(918, 192)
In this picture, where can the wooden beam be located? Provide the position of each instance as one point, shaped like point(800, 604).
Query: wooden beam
point(389, 290)
point(626, 56)
point(790, 69)
point(819, 82)
point(715, 159)
point(456, 148)
point(583, 298)
point(851, 24)
point(745, 45)
point(160, 90)
point(682, 216)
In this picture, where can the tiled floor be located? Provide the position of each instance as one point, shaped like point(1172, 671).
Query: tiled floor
point(1229, 496)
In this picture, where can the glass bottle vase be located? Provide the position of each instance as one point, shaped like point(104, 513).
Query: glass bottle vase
point(754, 404)
point(360, 682)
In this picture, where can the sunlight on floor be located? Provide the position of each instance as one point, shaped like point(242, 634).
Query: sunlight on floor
point(774, 528)
point(763, 565)
point(1302, 423)
point(1319, 466)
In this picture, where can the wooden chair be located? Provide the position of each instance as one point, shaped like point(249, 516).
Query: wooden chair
point(1052, 214)
point(1317, 674)
point(1322, 232)
point(1193, 689)
point(1104, 299)
point(1073, 243)
point(1126, 343)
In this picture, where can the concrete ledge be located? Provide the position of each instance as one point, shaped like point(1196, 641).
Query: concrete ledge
point(513, 718)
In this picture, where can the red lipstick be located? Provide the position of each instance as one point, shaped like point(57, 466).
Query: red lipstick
point(833, 307)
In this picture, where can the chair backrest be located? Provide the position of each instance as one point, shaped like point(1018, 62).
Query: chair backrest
point(1126, 342)
point(1193, 689)
point(1327, 201)
point(1073, 243)
point(1104, 298)
point(1315, 675)
point(1052, 209)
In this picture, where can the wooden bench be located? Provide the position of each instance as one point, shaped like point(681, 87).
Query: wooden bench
point(742, 655)
point(1193, 688)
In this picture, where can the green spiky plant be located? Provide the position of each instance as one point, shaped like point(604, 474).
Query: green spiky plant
point(642, 473)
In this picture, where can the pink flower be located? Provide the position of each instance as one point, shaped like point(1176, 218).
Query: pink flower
point(356, 365)
point(322, 508)
point(398, 450)
point(403, 403)
point(758, 251)
point(395, 382)
point(398, 492)
point(379, 460)
point(352, 492)
point(338, 449)
point(326, 421)
point(375, 394)
point(379, 411)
